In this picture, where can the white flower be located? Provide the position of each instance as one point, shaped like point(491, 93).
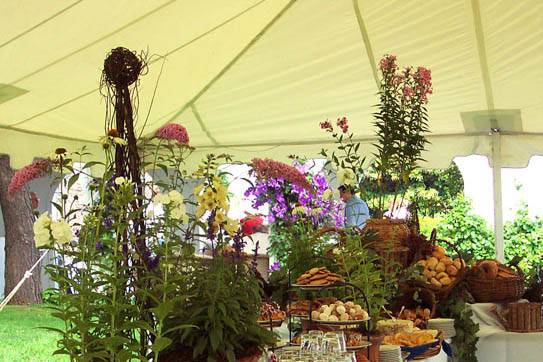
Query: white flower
point(150, 214)
point(162, 199)
point(176, 196)
point(61, 231)
point(346, 177)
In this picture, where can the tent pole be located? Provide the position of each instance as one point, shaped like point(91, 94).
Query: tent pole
point(497, 189)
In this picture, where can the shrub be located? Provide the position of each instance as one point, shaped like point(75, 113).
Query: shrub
point(523, 237)
point(468, 231)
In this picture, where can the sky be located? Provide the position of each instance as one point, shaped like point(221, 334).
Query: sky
point(518, 185)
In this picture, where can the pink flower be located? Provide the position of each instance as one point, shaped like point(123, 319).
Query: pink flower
point(326, 125)
point(174, 132)
point(408, 92)
point(388, 63)
point(26, 174)
point(266, 168)
point(343, 124)
point(423, 83)
point(34, 201)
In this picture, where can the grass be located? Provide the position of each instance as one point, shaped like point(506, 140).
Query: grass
point(21, 340)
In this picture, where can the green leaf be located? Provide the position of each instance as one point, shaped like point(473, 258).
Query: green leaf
point(161, 343)
point(176, 328)
point(73, 179)
point(163, 309)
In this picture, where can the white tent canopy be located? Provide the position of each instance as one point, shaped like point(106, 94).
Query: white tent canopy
point(254, 77)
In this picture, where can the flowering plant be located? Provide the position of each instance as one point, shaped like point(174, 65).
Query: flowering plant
point(401, 121)
point(296, 210)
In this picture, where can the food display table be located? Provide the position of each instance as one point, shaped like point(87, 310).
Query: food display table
point(497, 345)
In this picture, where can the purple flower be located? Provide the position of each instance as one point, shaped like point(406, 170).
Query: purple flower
point(154, 262)
point(275, 266)
point(108, 223)
point(99, 245)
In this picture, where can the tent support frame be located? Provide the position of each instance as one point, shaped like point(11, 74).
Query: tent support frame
point(497, 191)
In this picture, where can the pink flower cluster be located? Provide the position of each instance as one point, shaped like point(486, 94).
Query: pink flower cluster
point(26, 174)
point(343, 124)
point(423, 83)
point(388, 63)
point(173, 132)
point(327, 126)
point(266, 169)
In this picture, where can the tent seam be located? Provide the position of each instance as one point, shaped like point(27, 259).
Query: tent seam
point(481, 48)
point(36, 133)
point(363, 139)
point(94, 42)
point(40, 23)
point(202, 124)
point(151, 62)
point(367, 42)
point(235, 59)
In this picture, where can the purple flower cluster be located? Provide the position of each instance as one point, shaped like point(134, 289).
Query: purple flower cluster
point(283, 198)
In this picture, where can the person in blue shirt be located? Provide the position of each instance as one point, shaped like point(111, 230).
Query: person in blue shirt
point(356, 210)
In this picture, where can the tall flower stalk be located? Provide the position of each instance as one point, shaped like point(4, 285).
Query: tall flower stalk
point(401, 122)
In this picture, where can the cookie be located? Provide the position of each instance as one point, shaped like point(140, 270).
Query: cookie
point(319, 282)
point(313, 271)
point(318, 276)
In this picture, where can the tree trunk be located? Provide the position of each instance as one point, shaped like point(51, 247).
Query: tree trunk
point(21, 252)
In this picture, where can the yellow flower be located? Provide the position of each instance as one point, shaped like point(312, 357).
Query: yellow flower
point(120, 181)
point(209, 194)
point(161, 199)
point(210, 204)
point(231, 226)
point(224, 205)
point(120, 141)
point(198, 189)
point(217, 181)
point(200, 211)
point(316, 211)
point(327, 194)
point(61, 231)
point(176, 196)
point(220, 217)
point(107, 141)
point(298, 210)
point(42, 235)
point(178, 213)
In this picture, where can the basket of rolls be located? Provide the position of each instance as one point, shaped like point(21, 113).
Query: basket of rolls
point(440, 272)
point(491, 281)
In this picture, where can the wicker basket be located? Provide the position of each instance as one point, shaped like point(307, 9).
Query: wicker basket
point(442, 293)
point(391, 232)
point(499, 290)
point(391, 243)
point(522, 317)
point(426, 296)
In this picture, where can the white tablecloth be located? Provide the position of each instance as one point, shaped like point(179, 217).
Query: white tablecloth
point(497, 345)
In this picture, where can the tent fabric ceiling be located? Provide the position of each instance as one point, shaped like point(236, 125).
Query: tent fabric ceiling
point(254, 77)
